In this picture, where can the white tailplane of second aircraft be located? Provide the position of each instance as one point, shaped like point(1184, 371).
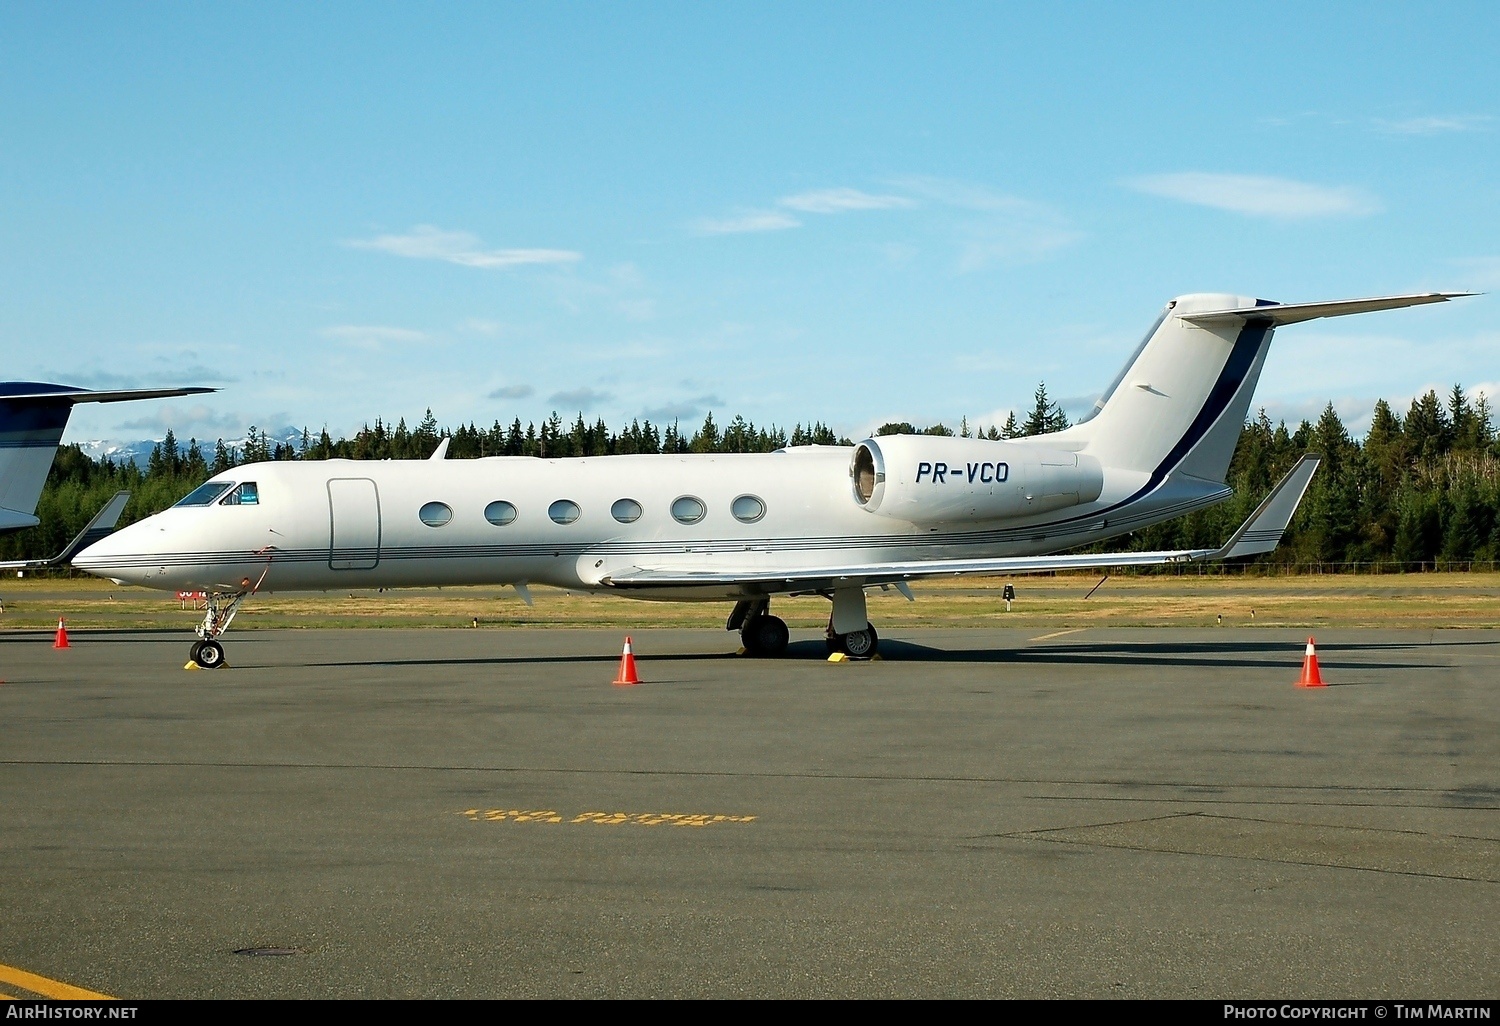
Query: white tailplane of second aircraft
point(742, 528)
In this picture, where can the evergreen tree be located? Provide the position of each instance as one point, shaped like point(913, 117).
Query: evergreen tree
point(1040, 415)
point(707, 437)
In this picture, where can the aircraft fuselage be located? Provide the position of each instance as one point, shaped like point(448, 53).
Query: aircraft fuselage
point(571, 523)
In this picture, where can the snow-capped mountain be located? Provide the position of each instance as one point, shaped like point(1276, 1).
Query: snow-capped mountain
point(140, 450)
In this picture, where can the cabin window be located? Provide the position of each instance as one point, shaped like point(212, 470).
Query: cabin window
point(435, 514)
point(688, 509)
point(205, 493)
point(626, 511)
point(564, 511)
point(747, 509)
point(247, 494)
point(500, 513)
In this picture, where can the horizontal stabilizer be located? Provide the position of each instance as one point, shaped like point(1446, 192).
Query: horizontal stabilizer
point(61, 394)
point(1260, 533)
point(103, 524)
point(1292, 313)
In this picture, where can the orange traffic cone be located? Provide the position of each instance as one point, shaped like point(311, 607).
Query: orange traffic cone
point(1311, 678)
point(62, 635)
point(627, 674)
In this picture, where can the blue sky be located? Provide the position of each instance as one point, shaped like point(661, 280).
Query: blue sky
point(850, 212)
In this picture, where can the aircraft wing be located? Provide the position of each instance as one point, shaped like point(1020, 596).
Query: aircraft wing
point(1260, 533)
point(103, 523)
point(1292, 313)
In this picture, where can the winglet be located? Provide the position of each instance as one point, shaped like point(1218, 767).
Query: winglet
point(441, 452)
point(103, 523)
point(1263, 531)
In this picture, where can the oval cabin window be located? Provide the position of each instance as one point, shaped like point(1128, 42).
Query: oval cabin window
point(435, 514)
point(688, 509)
point(747, 509)
point(563, 511)
point(626, 511)
point(500, 513)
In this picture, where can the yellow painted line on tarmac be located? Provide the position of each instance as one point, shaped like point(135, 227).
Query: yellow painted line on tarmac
point(47, 988)
point(682, 819)
point(658, 819)
point(1058, 634)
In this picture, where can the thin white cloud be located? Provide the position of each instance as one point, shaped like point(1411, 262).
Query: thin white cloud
point(838, 201)
point(198, 421)
point(637, 309)
point(817, 201)
point(481, 326)
point(755, 221)
point(425, 242)
point(1012, 243)
point(968, 196)
point(1259, 195)
point(994, 227)
point(1433, 125)
point(372, 336)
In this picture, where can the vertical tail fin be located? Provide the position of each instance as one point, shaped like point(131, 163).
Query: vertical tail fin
point(30, 428)
point(33, 415)
point(1180, 403)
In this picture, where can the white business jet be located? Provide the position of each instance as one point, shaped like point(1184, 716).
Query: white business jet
point(827, 520)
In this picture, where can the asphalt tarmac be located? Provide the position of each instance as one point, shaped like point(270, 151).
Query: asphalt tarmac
point(984, 813)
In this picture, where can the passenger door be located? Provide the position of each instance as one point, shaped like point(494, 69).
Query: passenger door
point(354, 524)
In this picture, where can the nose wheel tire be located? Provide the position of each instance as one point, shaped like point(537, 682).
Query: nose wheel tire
point(765, 636)
point(208, 654)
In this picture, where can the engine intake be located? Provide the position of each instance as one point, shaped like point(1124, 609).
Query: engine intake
point(927, 479)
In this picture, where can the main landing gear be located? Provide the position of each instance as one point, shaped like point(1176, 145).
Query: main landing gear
point(765, 635)
point(761, 633)
point(861, 644)
point(849, 627)
point(207, 652)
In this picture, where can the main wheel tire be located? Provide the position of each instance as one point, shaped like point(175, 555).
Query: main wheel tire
point(193, 654)
point(765, 636)
point(860, 644)
point(208, 654)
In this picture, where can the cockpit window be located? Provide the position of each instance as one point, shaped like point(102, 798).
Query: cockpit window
point(245, 495)
point(206, 493)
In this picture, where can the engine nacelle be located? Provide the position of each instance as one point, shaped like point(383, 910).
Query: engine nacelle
point(929, 479)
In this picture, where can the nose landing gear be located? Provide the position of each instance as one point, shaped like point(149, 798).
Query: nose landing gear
point(206, 651)
point(208, 654)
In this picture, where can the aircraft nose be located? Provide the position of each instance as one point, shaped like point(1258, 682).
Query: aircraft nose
point(108, 557)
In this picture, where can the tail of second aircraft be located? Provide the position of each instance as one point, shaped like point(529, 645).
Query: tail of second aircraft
point(1179, 404)
point(31, 425)
point(33, 415)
